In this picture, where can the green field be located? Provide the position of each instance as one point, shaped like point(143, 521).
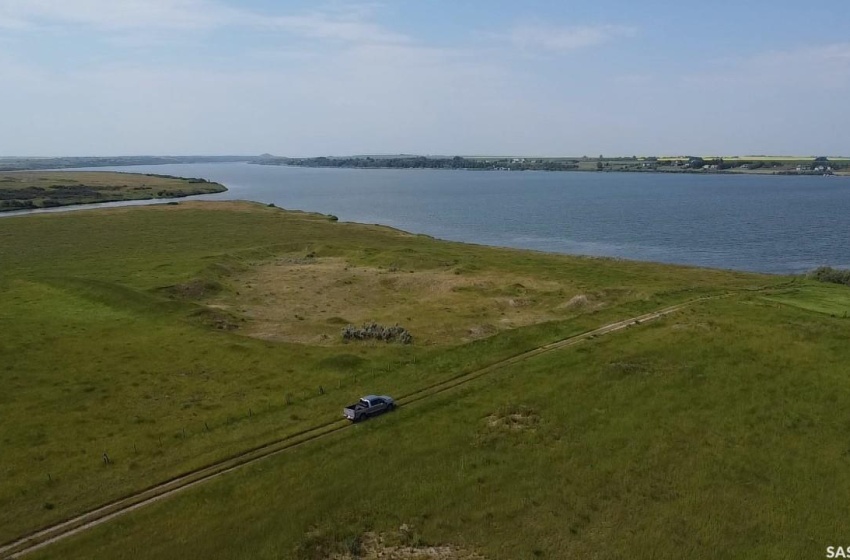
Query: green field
point(833, 300)
point(27, 190)
point(170, 337)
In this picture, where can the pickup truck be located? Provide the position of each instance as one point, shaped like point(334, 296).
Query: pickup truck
point(369, 405)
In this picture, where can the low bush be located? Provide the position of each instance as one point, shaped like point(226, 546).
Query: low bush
point(831, 275)
point(374, 331)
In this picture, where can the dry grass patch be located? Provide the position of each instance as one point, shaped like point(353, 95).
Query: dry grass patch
point(513, 419)
point(307, 300)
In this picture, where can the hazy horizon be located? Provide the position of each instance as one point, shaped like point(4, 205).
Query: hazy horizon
point(100, 78)
point(441, 155)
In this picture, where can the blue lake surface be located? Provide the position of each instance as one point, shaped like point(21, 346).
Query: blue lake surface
point(776, 224)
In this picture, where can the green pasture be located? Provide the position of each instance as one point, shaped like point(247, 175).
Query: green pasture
point(715, 433)
point(830, 299)
point(716, 429)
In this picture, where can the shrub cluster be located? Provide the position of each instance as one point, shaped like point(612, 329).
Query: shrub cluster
point(17, 205)
point(831, 275)
point(374, 331)
point(21, 194)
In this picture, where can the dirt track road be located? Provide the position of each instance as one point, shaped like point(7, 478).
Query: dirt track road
point(93, 518)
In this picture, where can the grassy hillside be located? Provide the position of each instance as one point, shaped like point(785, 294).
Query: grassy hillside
point(26, 190)
point(169, 337)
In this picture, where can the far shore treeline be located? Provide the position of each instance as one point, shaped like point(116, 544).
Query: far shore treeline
point(759, 164)
point(682, 164)
point(422, 162)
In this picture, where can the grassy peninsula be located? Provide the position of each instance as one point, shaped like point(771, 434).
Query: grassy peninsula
point(29, 190)
point(140, 343)
point(41, 163)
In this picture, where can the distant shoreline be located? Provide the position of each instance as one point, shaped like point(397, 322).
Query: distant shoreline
point(731, 165)
point(840, 174)
point(692, 165)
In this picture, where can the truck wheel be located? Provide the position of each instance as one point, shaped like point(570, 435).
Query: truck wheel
point(391, 408)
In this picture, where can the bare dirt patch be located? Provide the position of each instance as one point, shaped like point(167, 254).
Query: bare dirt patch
point(305, 299)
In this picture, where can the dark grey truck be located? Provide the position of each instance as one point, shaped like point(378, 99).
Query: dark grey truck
point(370, 405)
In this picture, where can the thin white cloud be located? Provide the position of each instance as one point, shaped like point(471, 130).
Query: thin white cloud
point(107, 14)
point(9, 22)
point(322, 26)
point(837, 54)
point(634, 79)
point(347, 25)
point(820, 66)
point(566, 39)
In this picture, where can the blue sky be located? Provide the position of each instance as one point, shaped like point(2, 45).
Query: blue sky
point(120, 77)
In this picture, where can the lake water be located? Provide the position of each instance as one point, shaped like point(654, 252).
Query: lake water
point(747, 222)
